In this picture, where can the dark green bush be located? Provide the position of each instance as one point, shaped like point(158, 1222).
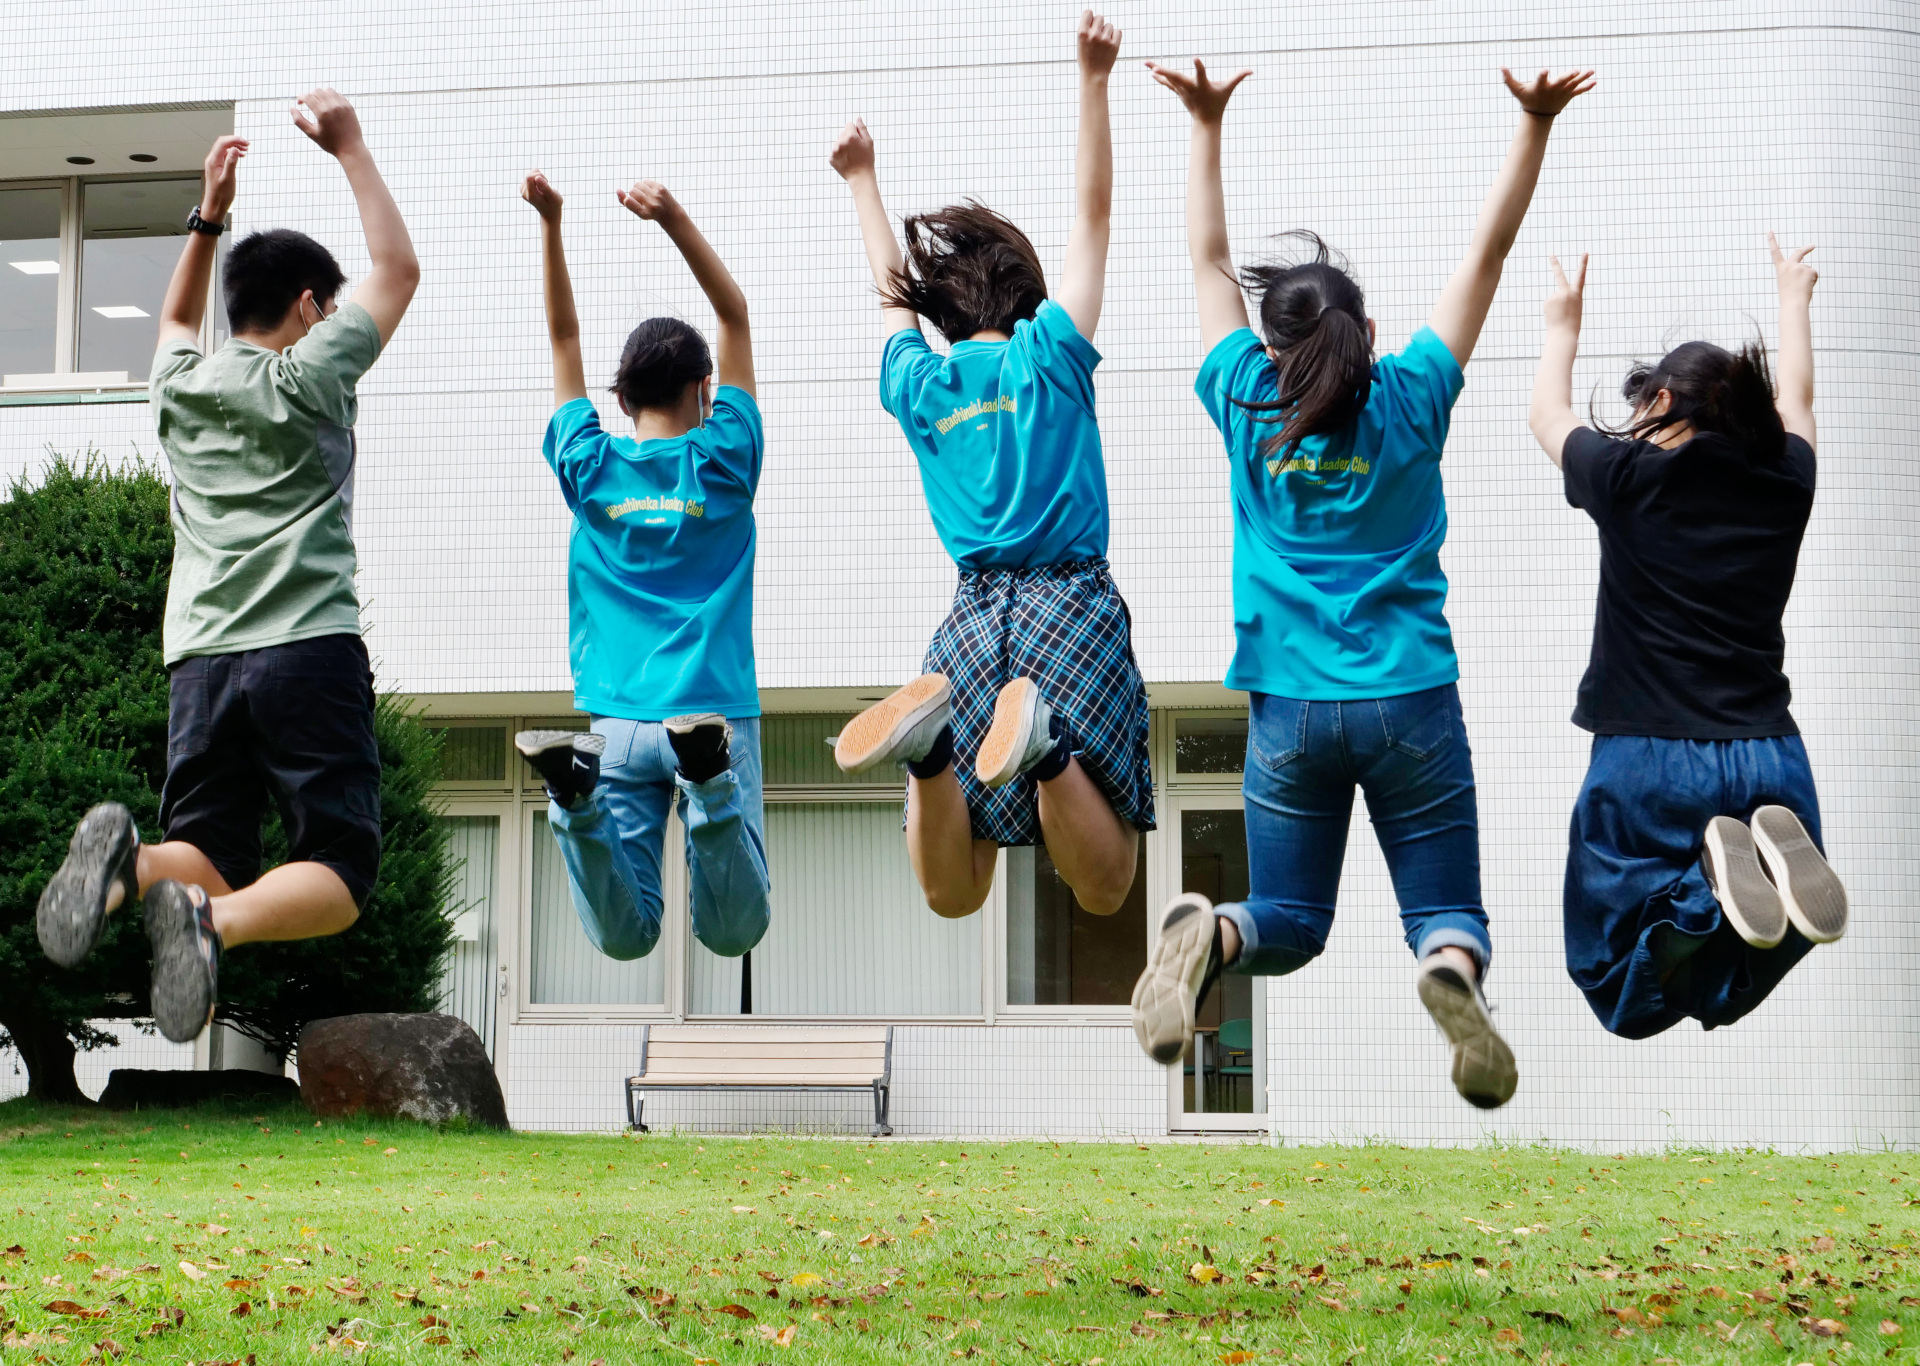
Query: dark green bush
point(84, 558)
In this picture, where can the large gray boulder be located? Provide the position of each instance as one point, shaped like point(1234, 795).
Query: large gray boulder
point(432, 1068)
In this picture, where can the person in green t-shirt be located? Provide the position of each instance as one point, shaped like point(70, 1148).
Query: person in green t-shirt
point(271, 696)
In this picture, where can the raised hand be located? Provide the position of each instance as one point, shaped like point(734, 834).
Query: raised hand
point(1567, 299)
point(219, 175)
point(1546, 94)
point(1099, 44)
point(538, 191)
point(325, 116)
point(853, 153)
point(1204, 99)
point(649, 199)
point(1795, 275)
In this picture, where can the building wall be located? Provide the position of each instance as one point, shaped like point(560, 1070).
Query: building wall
point(1379, 124)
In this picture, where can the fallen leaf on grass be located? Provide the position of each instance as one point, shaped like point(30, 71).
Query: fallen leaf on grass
point(1889, 1328)
point(193, 1272)
point(1235, 1358)
point(78, 1257)
point(1332, 1304)
point(431, 1321)
point(1138, 1288)
point(805, 1278)
point(74, 1311)
point(745, 1209)
point(1824, 1328)
point(240, 1310)
point(1201, 1273)
point(782, 1337)
point(242, 1283)
point(437, 1340)
point(1552, 1316)
point(106, 1347)
point(1507, 1335)
point(739, 1311)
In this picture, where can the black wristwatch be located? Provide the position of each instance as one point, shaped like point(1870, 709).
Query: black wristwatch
point(195, 223)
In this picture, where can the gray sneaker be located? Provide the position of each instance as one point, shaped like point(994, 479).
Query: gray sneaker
point(1179, 970)
point(186, 958)
point(1484, 1072)
point(1747, 898)
point(898, 729)
point(103, 854)
point(1020, 736)
point(1810, 891)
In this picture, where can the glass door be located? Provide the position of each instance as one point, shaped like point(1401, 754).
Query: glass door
point(1221, 1081)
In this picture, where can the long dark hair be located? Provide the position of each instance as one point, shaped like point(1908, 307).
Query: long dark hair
point(1314, 316)
point(967, 270)
point(1714, 390)
point(661, 358)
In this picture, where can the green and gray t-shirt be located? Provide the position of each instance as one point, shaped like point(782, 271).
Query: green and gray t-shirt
point(261, 445)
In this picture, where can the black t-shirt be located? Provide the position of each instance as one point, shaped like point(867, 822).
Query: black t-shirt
point(1698, 547)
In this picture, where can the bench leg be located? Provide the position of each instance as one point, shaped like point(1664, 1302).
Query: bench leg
point(882, 1100)
point(636, 1106)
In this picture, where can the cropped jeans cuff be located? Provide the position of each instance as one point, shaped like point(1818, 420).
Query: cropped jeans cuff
point(1249, 935)
point(1457, 937)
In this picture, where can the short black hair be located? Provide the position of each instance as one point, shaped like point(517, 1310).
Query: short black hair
point(266, 271)
point(661, 358)
point(968, 270)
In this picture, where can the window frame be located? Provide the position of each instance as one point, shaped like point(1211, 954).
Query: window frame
point(66, 325)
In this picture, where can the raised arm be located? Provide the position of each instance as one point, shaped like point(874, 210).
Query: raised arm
point(1223, 308)
point(185, 306)
point(326, 117)
point(1462, 309)
point(853, 159)
point(1551, 413)
point(563, 323)
point(651, 200)
point(1795, 403)
point(1083, 283)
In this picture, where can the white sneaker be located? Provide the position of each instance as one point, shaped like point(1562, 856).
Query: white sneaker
point(1747, 898)
point(1168, 992)
point(898, 729)
point(1810, 891)
point(1484, 1072)
point(1020, 737)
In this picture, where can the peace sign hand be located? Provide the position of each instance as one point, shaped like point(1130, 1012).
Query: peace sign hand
point(1567, 300)
point(1795, 275)
point(1205, 100)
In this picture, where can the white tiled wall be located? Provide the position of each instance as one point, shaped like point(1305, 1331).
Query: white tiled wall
point(1379, 123)
point(135, 1049)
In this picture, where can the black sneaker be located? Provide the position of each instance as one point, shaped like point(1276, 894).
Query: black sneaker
point(186, 958)
point(102, 855)
point(568, 761)
point(702, 742)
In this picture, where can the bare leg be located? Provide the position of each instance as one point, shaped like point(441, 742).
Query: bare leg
point(1095, 851)
point(954, 868)
point(1461, 959)
point(293, 901)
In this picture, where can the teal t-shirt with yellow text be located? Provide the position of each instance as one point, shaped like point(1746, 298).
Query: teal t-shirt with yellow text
point(1337, 588)
point(1005, 436)
point(660, 562)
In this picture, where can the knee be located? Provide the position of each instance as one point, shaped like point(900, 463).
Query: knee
point(1106, 892)
point(628, 945)
point(955, 904)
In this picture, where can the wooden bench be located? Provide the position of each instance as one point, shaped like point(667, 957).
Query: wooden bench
point(764, 1058)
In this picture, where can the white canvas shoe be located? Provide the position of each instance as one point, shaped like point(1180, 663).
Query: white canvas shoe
point(898, 729)
point(1747, 898)
point(1020, 737)
point(1810, 891)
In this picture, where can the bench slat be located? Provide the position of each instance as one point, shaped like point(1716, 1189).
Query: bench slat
point(755, 1034)
point(708, 1049)
point(746, 1063)
point(851, 1080)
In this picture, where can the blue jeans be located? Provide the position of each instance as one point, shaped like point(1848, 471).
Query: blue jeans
point(612, 844)
point(1409, 756)
point(1638, 908)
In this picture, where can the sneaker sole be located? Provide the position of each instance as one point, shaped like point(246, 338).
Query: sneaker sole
point(183, 987)
point(1163, 997)
point(1484, 1071)
point(1007, 738)
point(871, 737)
point(1748, 900)
point(72, 912)
point(686, 725)
point(534, 743)
point(1810, 891)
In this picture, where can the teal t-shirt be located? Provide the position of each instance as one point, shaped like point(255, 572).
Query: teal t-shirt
point(660, 562)
point(1337, 587)
point(1005, 435)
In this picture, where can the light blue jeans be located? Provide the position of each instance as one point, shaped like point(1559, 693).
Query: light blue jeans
point(612, 844)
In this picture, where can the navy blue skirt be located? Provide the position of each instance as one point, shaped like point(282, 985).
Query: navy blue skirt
point(1066, 627)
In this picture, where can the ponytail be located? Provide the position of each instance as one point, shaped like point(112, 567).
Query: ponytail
point(661, 358)
point(1729, 393)
point(1315, 320)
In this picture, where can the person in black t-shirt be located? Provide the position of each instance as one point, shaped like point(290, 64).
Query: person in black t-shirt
point(1695, 877)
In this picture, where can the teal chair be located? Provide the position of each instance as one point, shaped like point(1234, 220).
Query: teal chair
point(1234, 1043)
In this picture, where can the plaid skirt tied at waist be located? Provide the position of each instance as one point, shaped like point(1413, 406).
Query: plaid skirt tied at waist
point(1066, 627)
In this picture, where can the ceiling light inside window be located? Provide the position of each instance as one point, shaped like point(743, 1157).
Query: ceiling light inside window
point(142, 157)
point(36, 267)
point(80, 161)
point(121, 311)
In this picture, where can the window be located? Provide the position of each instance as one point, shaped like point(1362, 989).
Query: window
point(84, 267)
point(29, 279)
point(1059, 953)
point(851, 934)
point(469, 984)
point(564, 968)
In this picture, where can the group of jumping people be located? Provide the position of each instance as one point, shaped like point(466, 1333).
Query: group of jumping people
point(1695, 878)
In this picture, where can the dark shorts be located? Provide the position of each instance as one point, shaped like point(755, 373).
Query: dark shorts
point(292, 723)
point(1066, 627)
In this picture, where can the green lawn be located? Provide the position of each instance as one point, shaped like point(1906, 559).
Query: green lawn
point(209, 1237)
